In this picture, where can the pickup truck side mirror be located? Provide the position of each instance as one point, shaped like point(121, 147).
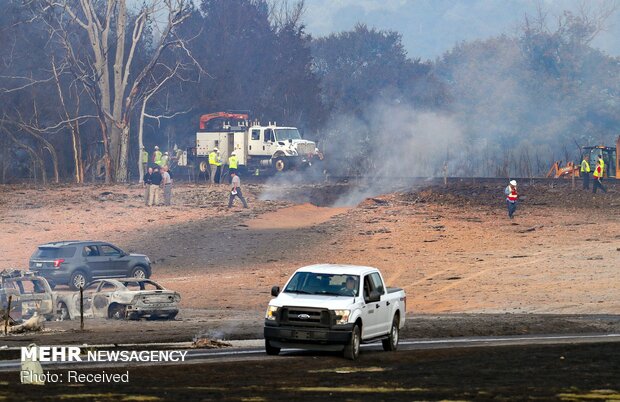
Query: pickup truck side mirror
point(275, 291)
point(374, 296)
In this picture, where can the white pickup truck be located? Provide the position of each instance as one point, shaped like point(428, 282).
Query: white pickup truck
point(334, 307)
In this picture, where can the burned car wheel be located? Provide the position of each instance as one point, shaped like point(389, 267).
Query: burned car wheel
point(62, 312)
point(117, 312)
point(78, 280)
point(139, 272)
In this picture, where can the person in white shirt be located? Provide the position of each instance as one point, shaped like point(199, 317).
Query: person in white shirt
point(236, 191)
point(167, 183)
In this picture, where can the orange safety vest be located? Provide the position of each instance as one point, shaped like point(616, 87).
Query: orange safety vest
point(512, 196)
point(598, 172)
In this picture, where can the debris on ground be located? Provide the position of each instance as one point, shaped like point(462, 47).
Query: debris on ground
point(204, 343)
point(33, 324)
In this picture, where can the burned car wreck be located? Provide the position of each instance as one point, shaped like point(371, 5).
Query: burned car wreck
point(122, 298)
point(30, 295)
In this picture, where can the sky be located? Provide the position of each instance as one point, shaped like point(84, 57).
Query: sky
point(429, 28)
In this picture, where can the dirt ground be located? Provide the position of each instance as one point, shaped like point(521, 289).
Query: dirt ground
point(515, 373)
point(453, 250)
point(467, 270)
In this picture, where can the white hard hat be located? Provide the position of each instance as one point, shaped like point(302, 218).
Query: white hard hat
point(233, 153)
point(156, 147)
point(166, 153)
point(513, 182)
point(215, 149)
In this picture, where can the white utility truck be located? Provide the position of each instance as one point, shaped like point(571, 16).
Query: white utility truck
point(256, 146)
point(334, 307)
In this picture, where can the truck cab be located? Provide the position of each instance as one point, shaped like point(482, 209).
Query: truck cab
point(256, 146)
point(334, 307)
point(282, 145)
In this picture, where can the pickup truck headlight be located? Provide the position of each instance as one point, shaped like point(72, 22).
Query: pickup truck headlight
point(271, 313)
point(342, 316)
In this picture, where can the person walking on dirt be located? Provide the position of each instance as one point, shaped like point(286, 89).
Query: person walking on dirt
point(214, 164)
point(154, 188)
point(598, 178)
point(511, 198)
point(585, 171)
point(236, 191)
point(167, 183)
point(146, 180)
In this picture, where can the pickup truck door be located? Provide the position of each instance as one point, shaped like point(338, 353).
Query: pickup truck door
point(384, 306)
point(371, 312)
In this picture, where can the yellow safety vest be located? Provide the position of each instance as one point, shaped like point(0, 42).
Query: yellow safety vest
point(157, 158)
point(213, 159)
point(585, 166)
point(145, 157)
point(232, 162)
point(602, 167)
point(596, 174)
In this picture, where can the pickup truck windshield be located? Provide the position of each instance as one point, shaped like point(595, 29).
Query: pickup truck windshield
point(285, 134)
point(324, 284)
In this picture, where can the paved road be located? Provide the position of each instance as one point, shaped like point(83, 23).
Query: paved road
point(256, 352)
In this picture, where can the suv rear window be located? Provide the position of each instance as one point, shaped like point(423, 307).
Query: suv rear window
point(54, 252)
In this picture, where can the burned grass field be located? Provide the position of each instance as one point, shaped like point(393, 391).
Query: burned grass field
point(566, 372)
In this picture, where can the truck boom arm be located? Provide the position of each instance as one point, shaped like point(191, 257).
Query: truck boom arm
point(224, 115)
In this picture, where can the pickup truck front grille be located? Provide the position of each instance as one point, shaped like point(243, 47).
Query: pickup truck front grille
point(313, 317)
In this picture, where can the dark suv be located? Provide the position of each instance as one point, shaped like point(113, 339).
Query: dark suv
point(75, 263)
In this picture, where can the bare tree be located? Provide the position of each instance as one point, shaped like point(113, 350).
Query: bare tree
point(112, 32)
point(148, 94)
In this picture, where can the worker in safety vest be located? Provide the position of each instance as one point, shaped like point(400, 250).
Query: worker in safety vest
point(233, 162)
point(602, 162)
point(585, 171)
point(144, 159)
point(157, 156)
point(165, 159)
point(598, 177)
point(214, 165)
point(511, 197)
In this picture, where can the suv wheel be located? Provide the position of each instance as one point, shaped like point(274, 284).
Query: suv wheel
point(78, 279)
point(139, 272)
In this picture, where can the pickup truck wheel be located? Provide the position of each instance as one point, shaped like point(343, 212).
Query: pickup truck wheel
point(390, 344)
point(352, 349)
point(271, 350)
point(62, 312)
